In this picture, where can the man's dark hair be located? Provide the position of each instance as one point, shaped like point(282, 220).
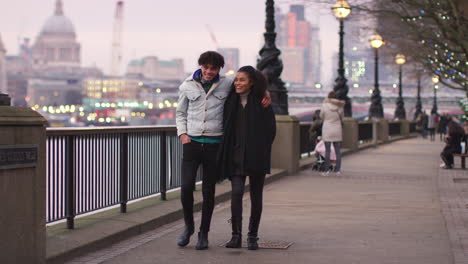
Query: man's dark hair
point(213, 58)
point(332, 95)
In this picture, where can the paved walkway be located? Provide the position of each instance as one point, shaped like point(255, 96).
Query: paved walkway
point(385, 209)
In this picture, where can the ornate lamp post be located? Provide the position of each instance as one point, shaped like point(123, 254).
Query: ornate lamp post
point(400, 112)
point(270, 64)
point(376, 108)
point(341, 10)
point(418, 99)
point(435, 80)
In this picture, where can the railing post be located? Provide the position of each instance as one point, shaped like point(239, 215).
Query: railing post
point(404, 128)
point(163, 167)
point(69, 182)
point(383, 130)
point(350, 133)
point(374, 131)
point(287, 144)
point(123, 172)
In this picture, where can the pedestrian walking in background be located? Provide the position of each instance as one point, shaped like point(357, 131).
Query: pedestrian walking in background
point(454, 137)
point(332, 129)
point(249, 130)
point(431, 125)
point(442, 126)
point(421, 122)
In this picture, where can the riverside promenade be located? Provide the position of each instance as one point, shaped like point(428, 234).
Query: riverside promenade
point(393, 204)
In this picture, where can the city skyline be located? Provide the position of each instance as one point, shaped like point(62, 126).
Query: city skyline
point(146, 30)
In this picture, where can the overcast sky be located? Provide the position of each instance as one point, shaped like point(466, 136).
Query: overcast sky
point(163, 28)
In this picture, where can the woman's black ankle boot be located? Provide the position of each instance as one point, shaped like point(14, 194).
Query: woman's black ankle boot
point(252, 243)
point(235, 242)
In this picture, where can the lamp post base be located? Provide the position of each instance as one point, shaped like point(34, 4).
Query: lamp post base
point(341, 89)
point(418, 108)
point(279, 98)
point(400, 112)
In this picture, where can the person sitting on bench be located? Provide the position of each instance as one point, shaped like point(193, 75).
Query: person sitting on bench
point(455, 134)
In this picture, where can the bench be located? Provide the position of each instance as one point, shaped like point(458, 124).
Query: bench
point(462, 156)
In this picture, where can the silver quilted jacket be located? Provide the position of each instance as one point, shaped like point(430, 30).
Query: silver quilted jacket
point(199, 113)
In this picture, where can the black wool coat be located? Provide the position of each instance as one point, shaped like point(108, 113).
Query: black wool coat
point(454, 143)
point(261, 131)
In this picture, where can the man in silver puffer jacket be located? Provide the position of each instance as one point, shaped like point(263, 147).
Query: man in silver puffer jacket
point(199, 119)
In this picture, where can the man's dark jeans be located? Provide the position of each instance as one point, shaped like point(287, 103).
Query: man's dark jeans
point(195, 154)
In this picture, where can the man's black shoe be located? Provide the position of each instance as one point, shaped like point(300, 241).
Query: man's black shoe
point(184, 238)
point(202, 241)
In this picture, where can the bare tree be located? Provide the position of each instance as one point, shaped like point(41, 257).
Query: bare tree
point(432, 34)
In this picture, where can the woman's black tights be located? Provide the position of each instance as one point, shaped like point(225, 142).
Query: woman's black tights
point(256, 200)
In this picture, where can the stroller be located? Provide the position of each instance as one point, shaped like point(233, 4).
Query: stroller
point(319, 164)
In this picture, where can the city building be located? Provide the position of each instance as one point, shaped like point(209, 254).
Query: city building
point(359, 61)
point(281, 28)
point(151, 67)
point(3, 77)
point(294, 65)
point(358, 54)
point(49, 72)
point(315, 74)
point(295, 33)
point(53, 90)
point(136, 101)
point(56, 48)
point(358, 64)
point(17, 89)
point(231, 60)
point(21, 64)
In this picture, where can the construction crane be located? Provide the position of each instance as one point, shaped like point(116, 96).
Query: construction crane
point(116, 57)
point(212, 35)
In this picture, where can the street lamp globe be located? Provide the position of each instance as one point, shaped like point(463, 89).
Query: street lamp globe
point(341, 9)
point(400, 59)
point(376, 41)
point(435, 79)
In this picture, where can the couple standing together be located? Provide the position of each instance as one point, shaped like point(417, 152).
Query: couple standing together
point(227, 126)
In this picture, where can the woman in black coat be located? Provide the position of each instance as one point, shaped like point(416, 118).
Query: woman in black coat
point(249, 130)
point(454, 137)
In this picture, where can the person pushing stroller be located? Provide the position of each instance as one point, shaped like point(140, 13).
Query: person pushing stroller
point(315, 133)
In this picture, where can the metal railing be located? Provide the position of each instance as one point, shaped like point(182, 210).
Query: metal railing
point(89, 169)
point(365, 132)
point(394, 128)
point(94, 168)
point(412, 127)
